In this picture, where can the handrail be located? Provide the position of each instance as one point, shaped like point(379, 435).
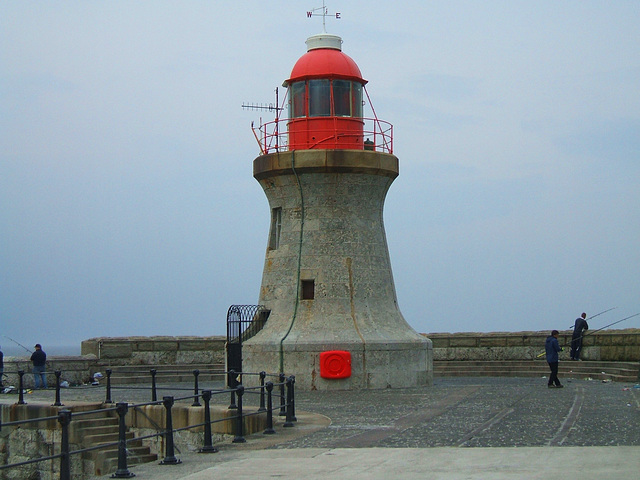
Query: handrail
point(377, 131)
point(65, 418)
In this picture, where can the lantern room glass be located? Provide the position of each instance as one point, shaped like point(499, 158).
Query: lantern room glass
point(296, 107)
point(319, 98)
point(342, 98)
point(356, 98)
point(313, 98)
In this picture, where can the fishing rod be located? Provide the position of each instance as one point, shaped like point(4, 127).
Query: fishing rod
point(17, 343)
point(608, 310)
point(627, 318)
point(606, 326)
point(595, 331)
point(596, 315)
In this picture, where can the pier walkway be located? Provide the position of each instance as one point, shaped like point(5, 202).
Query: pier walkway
point(460, 428)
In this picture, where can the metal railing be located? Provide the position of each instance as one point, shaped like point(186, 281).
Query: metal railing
point(243, 322)
point(377, 135)
point(266, 390)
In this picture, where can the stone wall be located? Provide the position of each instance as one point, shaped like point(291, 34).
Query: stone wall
point(609, 345)
point(156, 350)
point(75, 370)
point(41, 439)
point(37, 439)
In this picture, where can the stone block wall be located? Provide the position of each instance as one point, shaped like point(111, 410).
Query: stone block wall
point(37, 439)
point(155, 350)
point(610, 345)
point(75, 370)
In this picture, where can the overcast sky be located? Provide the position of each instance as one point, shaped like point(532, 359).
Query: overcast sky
point(128, 206)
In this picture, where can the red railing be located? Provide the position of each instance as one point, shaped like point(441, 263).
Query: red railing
point(377, 135)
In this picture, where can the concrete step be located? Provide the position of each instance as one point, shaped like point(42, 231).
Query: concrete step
point(98, 439)
point(509, 368)
point(106, 461)
point(538, 374)
point(133, 443)
point(134, 378)
point(79, 428)
point(208, 367)
point(110, 465)
point(90, 432)
point(615, 371)
point(132, 451)
point(95, 422)
point(136, 374)
point(99, 430)
point(540, 361)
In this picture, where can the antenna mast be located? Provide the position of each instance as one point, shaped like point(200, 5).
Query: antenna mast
point(270, 107)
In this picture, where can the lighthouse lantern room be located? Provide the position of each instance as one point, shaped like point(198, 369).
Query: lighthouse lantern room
point(325, 102)
point(325, 98)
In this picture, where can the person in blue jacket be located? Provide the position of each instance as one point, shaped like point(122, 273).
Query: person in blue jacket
point(552, 347)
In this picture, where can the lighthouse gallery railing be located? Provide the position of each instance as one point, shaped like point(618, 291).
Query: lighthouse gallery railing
point(377, 135)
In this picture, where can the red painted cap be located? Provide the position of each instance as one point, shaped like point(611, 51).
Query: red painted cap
point(325, 59)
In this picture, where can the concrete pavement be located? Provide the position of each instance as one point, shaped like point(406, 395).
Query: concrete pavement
point(471, 428)
point(449, 463)
point(520, 428)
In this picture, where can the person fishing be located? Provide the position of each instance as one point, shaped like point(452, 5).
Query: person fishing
point(39, 360)
point(579, 326)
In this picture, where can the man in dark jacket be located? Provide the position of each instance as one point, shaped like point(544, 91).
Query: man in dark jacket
point(576, 339)
point(39, 360)
point(552, 347)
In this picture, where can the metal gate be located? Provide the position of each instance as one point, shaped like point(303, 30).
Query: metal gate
point(243, 322)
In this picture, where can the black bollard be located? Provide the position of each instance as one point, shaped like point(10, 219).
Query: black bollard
point(231, 383)
point(196, 402)
point(239, 438)
point(262, 377)
point(269, 430)
point(154, 394)
point(21, 388)
point(208, 445)
point(289, 420)
point(170, 457)
point(108, 399)
point(123, 470)
point(64, 417)
point(57, 403)
point(282, 381)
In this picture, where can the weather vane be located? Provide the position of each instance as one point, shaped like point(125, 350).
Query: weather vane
point(324, 14)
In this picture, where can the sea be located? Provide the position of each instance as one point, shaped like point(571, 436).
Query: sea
point(12, 350)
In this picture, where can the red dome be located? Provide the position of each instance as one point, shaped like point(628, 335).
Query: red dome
point(325, 63)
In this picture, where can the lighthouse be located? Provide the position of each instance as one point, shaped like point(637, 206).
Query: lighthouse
point(334, 318)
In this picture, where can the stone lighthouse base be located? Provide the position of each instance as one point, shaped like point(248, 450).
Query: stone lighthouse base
point(327, 278)
point(389, 364)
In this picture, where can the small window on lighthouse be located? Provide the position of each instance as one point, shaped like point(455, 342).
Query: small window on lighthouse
point(356, 98)
point(276, 226)
point(297, 100)
point(319, 98)
point(308, 289)
point(342, 98)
